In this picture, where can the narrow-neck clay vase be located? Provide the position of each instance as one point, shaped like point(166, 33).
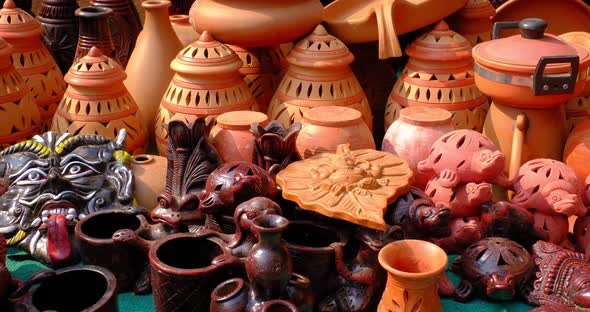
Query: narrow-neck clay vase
point(183, 29)
point(149, 179)
point(148, 69)
point(232, 137)
point(95, 31)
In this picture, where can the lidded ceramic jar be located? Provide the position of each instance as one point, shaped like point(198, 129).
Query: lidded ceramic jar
point(439, 74)
point(318, 75)
point(18, 110)
point(32, 60)
point(97, 102)
point(207, 83)
point(231, 135)
point(474, 21)
point(578, 108)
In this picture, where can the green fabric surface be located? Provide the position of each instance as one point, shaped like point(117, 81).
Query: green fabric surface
point(22, 266)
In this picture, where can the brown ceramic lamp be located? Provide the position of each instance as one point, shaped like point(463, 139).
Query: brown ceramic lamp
point(474, 21)
point(439, 74)
point(318, 75)
point(183, 29)
point(232, 137)
point(97, 102)
point(207, 84)
point(578, 108)
point(32, 60)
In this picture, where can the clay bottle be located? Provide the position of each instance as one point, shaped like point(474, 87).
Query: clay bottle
point(95, 31)
point(183, 29)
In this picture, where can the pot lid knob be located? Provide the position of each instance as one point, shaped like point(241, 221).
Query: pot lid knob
point(532, 28)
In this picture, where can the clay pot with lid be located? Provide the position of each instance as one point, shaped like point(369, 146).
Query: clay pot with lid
point(32, 59)
point(232, 138)
point(95, 31)
point(97, 102)
point(578, 108)
point(474, 21)
point(318, 75)
point(326, 127)
point(439, 73)
point(183, 29)
point(207, 83)
point(149, 179)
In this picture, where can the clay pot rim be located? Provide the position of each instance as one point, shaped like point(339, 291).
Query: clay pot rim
point(309, 249)
point(280, 302)
point(148, 159)
point(240, 285)
point(409, 275)
point(241, 120)
point(350, 116)
point(81, 235)
point(444, 116)
point(93, 12)
point(278, 223)
point(156, 4)
point(179, 19)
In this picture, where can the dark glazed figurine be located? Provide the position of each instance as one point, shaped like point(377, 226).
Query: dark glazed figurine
point(274, 146)
point(495, 267)
point(56, 180)
point(191, 160)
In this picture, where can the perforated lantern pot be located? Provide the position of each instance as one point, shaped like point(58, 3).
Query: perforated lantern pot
point(439, 74)
point(97, 102)
point(318, 75)
point(474, 21)
point(32, 60)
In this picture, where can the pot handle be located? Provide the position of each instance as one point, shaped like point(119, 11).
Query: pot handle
point(224, 259)
point(559, 83)
point(38, 278)
point(499, 26)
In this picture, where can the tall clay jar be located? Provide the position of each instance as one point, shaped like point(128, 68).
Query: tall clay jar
point(412, 135)
point(149, 179)
point(326, 127)
point(183, 29)
point(95, 31)
point(232, 137)
point(148, 70)
point(413, 269)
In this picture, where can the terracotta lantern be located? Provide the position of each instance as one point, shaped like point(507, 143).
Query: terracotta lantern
point(32, 60)
point(474, 21)
point(97, 102)
point(207, 83)
point(318, 75)
point(18, 111)
point(439, 74)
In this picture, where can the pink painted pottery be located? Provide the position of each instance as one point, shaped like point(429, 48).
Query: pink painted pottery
point(578, 108)
point(326, 127)
point(319, 75)
point(207, 83)
point(97, 102)
point(259, 23)
point(32, 60)
point(232, 137)
point(149, 179)
point(412, 135)
point(474, 21)
point(183, 29)
point(577, 149)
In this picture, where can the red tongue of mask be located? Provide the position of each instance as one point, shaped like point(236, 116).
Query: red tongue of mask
point(59, 246)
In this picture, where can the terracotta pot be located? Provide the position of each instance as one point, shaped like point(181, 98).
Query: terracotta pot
point(232, 137)
point(278, 305)
point(318, 75)
point(411, 137)
point(97, 102)
point(262, 23)
point(578, 108)
point(32, 59)
point(577, 149)
point(230, 296)
point(95, 31)
point(326, 127)
point(149, 179)
point(439, 74)
point(148, 70)
point(207, 84)
point(183, 29)
point(413, 268)
point(19, 111)
point(474, 21)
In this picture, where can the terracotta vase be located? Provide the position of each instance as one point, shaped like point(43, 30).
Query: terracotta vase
point(413, 269)
point(97, 102)
point(149, 179)
point(32, 60)
point(439, 74)
point(326, 127)
point(578, 108)
point(125, 26)
point(413, 134)
point(19, 111)
point(318, 75)
point(206, 84)
point(148, 70)
point(61, 30)
point(183, 29)
point(474, 21)
point(577, 149)
point(262, 23)
point(95, 31)
point(231, 135)
point(230, 296)
point(274, 146)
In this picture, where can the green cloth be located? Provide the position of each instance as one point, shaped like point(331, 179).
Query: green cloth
point(22, 266)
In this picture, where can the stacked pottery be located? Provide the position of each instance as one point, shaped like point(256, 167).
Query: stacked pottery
point(231, 136)
point(95, 31)
point(474, 21)
point(318, 75)
point(439, 74)
point(97, 102)
point(183, 29)
point(578, 108)
point(207, 84)
point(32, 60)
point(19, 113)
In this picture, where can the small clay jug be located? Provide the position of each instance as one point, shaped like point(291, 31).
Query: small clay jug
point(230, 296)
point(413, 269)
point(326, 127)
point(183, 29)
point(149, 179)
point(95, 31)
point(412, 135)
point(232, 137)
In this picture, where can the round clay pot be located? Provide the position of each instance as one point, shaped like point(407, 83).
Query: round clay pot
point(183, 29)
point(259, 23)
point(412, 135)
point(577, 149)
point(326, 127)
point(149, 179)
point(413, 269)
point(232, 137)
point(230, 296)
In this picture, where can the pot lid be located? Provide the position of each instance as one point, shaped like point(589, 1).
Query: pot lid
point(320, 49)
point(521, 53)
point(241, 120)
point(16, 23)
point(206, 56)
point(440, 44)
point(94, 70)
